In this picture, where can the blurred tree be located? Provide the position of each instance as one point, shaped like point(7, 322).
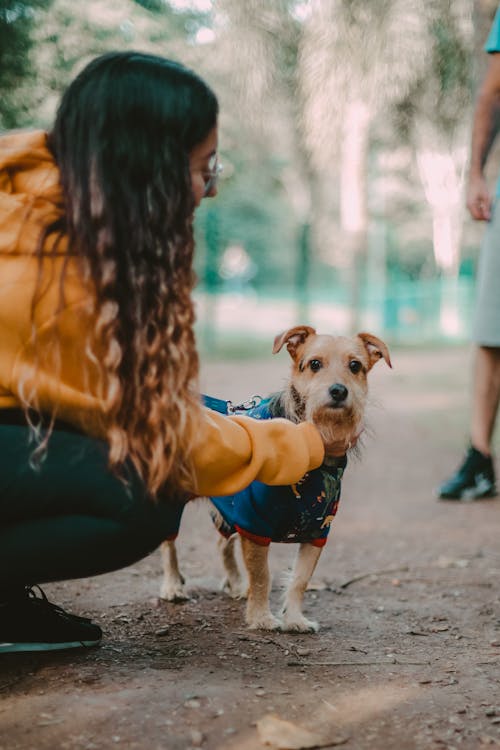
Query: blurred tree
point(318, 74)
point(18, 21)
point(259, 43)
point(435, 115)
point(356, 59)
point(74, 33)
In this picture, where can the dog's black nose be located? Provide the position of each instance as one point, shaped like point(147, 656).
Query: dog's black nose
point(338, 392)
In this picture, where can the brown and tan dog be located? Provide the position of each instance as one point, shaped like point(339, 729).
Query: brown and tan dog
point(327, 386)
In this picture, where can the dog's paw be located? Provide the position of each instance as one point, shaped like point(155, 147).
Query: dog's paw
point(299, 624)
point(235, 589)
point(264, 621)
point(173, 591)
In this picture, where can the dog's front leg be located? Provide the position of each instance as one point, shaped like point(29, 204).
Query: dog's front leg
point(258, 613)
point(305, 563)
point(172, 586)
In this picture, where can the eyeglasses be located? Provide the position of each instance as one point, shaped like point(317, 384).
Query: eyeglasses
point(211, 176)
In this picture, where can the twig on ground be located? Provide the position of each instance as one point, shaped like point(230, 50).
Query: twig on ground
point(9, 684)
point(287, 647)
point(357, 663)
point(385, 571)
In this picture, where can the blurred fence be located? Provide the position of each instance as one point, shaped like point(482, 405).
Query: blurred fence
point(430, 312)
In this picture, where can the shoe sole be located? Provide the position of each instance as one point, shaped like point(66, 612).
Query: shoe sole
point(11, 648)
point(469, 495)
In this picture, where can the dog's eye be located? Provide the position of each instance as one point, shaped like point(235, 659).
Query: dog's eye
point(315, 365)
point(355, 366)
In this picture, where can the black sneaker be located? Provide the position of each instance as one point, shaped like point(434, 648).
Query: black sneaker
point(31, 623)
point(474, 478)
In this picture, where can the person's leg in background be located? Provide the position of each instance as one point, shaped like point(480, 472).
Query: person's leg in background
point(475, 477)
point(72, 518)
point(485, 398)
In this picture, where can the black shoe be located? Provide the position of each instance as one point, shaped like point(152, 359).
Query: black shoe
point(474, 478)
point(31, 623)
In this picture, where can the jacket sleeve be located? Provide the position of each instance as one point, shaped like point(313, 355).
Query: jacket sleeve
point(230, 452)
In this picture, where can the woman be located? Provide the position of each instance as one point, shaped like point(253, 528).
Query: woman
point(102, 433)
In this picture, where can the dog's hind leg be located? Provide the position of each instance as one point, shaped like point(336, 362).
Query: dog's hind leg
point(172, 586)
point(258, 614)
point(305, 563)
point(233, 583)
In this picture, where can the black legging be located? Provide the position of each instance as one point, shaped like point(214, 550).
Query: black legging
point(72, 518)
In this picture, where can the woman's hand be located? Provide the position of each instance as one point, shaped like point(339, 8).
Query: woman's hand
point(479, 199)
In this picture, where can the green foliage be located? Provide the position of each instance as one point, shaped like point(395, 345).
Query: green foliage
point(156, 6)
point(453, 68)
point(73, 33)
point(17, 23)
point(183, 23)
point(251, 212)
point(442, 94)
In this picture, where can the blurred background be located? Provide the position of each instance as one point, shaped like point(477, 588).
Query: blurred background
point(344, 134)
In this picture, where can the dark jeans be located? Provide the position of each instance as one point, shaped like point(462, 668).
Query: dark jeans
point(72, 518)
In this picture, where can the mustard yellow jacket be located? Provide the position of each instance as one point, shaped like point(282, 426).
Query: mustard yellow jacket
point(229, 452)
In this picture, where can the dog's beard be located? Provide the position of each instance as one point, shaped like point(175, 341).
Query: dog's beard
point(335, 424)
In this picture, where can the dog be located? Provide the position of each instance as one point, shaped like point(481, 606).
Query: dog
point(327, 386)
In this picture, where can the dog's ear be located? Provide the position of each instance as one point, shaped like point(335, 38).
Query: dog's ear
point(376, 348)
point(293, 337)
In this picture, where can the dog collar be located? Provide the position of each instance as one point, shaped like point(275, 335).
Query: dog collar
point(334, 463)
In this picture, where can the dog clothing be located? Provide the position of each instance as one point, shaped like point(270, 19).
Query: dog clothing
point(299, 512)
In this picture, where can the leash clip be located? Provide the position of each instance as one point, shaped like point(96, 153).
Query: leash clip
point(245, 406)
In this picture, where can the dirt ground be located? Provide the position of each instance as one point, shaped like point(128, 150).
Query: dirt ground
point(406, 594)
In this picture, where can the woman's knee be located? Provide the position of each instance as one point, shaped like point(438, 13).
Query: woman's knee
point(149, 523)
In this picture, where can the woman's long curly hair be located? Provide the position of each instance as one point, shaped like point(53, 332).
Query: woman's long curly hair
point(121, 139)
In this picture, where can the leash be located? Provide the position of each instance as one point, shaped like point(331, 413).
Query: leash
point(227, 407)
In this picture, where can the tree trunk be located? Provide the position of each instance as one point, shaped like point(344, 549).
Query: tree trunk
point(353, 200)
point(443, 177)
